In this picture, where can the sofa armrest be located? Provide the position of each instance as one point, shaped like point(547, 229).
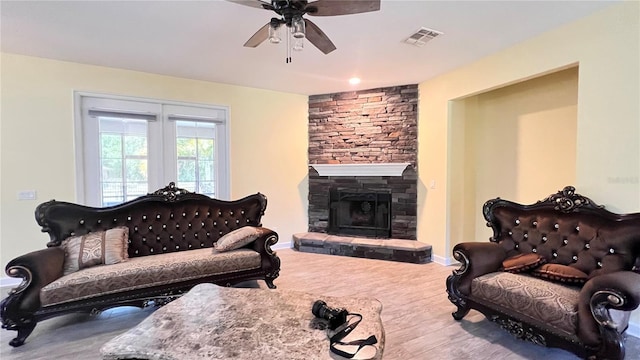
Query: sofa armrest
point(270, 261)
point(37, 269)
point(264, 242)
point(618, 290)
point(476, 260)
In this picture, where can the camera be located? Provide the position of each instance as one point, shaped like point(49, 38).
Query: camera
point(335, 317)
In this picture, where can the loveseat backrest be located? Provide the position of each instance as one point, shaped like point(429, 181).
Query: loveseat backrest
point(168, 220)
point(568, 229)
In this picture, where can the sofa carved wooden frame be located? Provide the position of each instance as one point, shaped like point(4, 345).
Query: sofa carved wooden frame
point(612, 262)
point(21, 310)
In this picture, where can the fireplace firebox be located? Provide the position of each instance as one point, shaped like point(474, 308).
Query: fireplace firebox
point(360, 212)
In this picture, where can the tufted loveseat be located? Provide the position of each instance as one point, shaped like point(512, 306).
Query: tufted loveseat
point(171, 233)
point(578, 285)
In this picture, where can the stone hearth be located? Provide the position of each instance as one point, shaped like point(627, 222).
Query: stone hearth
point(385, 249)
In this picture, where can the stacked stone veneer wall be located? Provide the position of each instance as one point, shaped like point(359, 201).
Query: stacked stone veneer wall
point(369, 126)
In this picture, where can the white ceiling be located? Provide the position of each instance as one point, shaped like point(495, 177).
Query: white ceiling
point(203, 39)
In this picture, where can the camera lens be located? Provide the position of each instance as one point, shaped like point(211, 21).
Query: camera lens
point(335, 317)
point(320, 309)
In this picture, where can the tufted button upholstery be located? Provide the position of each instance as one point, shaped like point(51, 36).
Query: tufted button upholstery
point(590, 243)
point(153, 225)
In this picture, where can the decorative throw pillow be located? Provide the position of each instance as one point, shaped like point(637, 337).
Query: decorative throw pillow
point(237, 238)
point(96, 248)
point(522, 262)
point(561, 273)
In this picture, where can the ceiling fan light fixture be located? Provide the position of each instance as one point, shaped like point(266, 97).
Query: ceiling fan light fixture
point(297, 28)
point(274, 33)
point(297, 44)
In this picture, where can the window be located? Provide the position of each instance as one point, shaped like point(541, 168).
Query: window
point(123, 158)
point(196, 156)
point(127, 148)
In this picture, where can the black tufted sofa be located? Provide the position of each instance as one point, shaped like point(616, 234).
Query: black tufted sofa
point(568, 231)
point(171, 234)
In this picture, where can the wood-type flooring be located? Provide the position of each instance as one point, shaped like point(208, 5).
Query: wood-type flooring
point(416, 315)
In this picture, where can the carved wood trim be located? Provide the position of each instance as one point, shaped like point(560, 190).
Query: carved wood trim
point(171, 192)
point(517, 329)
point(567, 200)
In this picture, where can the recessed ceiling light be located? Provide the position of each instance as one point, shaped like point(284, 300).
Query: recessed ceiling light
point(354, 81)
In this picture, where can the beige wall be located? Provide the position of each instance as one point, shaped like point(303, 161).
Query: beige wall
point(517, 142)
point(268, 140)
point(523, 141)
point(608, 131)
point(608, 109)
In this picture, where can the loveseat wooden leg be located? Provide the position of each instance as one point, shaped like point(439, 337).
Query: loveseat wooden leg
point(273, 275)
point(270, 283)
point(612, 347)
point(455, 297)
point(461, 312)
point(24, 330)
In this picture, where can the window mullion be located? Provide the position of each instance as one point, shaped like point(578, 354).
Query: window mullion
point(197, 165)
point(123, 167)
point(155, 155)
point(169, 148)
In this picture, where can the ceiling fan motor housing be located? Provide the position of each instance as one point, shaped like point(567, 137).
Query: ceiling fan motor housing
point(290, 10)
point(291, 14)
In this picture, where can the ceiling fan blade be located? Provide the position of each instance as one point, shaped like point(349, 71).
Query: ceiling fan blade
point(342, 7)
point(261, 35)
point(317, 37)
point(254, 3)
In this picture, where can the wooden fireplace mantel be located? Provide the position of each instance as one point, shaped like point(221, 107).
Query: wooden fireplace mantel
point(385, 169)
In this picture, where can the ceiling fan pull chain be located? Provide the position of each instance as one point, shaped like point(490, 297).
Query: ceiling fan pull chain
point(288, 47)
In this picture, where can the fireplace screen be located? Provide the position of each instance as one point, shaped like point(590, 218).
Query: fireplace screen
point(359, 212)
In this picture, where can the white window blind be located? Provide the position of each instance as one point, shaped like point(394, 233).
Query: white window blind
point(130, 148)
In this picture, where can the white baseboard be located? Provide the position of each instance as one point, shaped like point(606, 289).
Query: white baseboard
point(9, 282)
point(446, 261)
point(283, 245)
point(633, 330)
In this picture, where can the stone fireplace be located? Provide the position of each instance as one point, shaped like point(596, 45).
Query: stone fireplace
point(363, 152)
point(363, 147)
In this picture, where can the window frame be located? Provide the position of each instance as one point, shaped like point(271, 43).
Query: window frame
point(161, 146)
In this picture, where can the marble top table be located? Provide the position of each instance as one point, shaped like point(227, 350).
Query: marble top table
point(213, 322)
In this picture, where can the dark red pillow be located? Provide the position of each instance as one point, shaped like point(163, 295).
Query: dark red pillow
point(522, 262)
point(561, 273)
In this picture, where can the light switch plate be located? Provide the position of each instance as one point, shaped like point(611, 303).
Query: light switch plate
point(27, 195)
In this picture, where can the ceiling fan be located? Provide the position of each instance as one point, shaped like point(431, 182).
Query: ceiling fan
point(291, 14)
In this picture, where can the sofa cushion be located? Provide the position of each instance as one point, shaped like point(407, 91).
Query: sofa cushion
point(237, 238)
point(95, 248)
point(560, 273)
point(146, 272)
point(541, 302)
point(522, 262)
